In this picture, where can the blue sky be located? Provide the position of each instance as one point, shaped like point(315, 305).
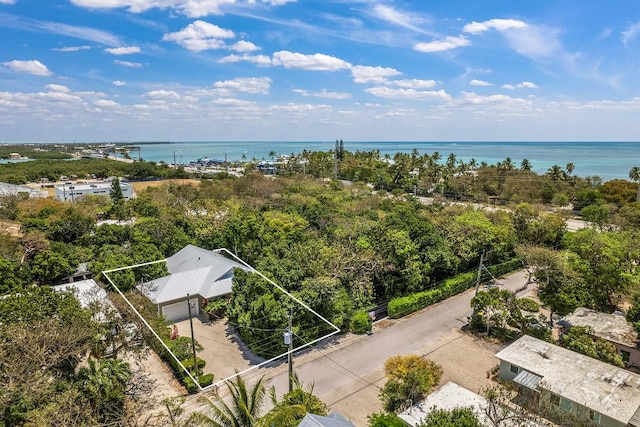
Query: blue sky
point(133, 70)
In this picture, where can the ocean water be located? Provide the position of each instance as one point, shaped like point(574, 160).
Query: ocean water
point(608, 160)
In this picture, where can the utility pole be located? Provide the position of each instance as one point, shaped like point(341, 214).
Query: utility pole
point(193, 340)
point(288, 341)
point(480, 267)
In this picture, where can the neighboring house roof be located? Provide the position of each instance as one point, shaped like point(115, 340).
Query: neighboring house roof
point(449, 396)
point(334, 419)
point(88, 293)
point(193, 271)
point(452, 396)
point(602, 387)
point(611, 327)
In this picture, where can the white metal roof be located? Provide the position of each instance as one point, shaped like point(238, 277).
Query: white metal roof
point(194, 271)
point(612, 391)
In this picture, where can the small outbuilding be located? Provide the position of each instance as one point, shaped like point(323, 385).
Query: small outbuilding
point(334, 419)
point(198, 273)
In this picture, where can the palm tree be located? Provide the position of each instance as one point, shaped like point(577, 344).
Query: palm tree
point(294, 406)
point(570, 167)
point(244, 410)
point(525, 165)
point(556, 173)
point(634, 175)
point(473, 164)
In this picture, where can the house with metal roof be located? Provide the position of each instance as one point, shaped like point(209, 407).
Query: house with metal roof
point(196, 275)
point(610, 327)
point(570, 383)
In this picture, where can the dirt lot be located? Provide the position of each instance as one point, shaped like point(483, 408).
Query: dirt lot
point(465, 360)
point(12, 228)
point(139, 186)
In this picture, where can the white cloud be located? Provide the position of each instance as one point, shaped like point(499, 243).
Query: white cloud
point(414, 83)
point(199, 36)
point(367, 74)
point(324, 94)
point(390, 93)
point(244, 46)
point(7, 1)
point(127, 63)
point(123, 50)
point(476, 82)
point(119, 83)
point(106, 103)
point(71, 48)
point(161, 94)
point(532, 41)
point(394, 16)
point(315, 62)
point(260, 60)
point(34, 67)
point(631, 33)
point(232, 102)
point(58, 97)
point(245, 84)
point(58, 88)
point(447, 43)
point(497, 99)
point(528, 85)
point(190, 8)
point(495, 24)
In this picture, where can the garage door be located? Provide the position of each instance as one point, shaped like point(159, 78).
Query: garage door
point(180, 310)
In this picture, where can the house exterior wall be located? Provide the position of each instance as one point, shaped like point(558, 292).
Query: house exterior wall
point(634, 353)
point(162, 308)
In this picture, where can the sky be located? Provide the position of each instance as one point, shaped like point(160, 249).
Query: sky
point(297, 70)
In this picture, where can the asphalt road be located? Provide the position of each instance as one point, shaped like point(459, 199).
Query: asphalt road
point(349, 370)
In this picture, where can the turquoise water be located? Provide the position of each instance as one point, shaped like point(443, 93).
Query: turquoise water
point(608, 160)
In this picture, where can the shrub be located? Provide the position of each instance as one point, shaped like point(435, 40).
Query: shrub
point(361, 322)
point(203, 380)
point(188, 364)
point(527, 304)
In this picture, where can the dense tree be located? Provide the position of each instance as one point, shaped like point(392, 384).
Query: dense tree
point(607, 262)
point(381, 419)
point(409, 379)
point(457, 417)
point(582, 340)
point(560, 287)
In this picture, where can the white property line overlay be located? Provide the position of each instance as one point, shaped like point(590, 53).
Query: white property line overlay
point(251, 368)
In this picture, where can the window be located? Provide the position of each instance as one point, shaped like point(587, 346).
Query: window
point(554, 399)
point(514, 369)
point(565, 404)
point(595, 416)
point(625, 356)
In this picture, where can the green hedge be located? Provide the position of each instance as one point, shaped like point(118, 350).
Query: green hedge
point(404, 306)
point(204, 380)
point(360, 322)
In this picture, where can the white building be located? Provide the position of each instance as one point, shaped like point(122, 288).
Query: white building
point(7, 189)
point(71, 191)
point(197, 272)
point(587, 388)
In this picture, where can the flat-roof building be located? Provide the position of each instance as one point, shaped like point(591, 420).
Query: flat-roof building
point(7, 189)
point(73, 191)
point(572, 383)
point(610, 327)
